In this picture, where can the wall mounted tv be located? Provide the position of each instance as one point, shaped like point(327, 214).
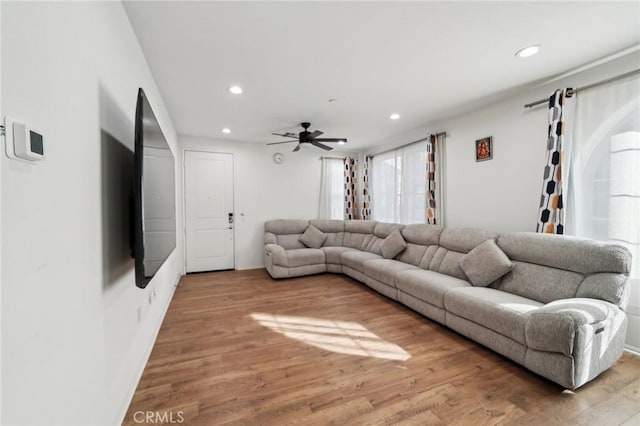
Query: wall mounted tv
point(154, 195)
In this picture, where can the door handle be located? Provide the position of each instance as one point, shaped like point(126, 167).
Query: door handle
point(230, 218)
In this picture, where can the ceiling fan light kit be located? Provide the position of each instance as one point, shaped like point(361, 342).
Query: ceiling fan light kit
point(307, 137)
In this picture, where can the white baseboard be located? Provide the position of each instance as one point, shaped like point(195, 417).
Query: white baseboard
point(632, 349)
point(145, 360)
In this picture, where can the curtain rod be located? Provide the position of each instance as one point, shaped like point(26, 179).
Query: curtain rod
point(406, 144)
point(330, 158)
point(589, 86)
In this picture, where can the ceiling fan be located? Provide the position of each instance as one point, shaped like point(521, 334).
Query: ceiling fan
point(308, 137)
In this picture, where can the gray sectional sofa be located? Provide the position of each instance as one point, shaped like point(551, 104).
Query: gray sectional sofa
point(557, 308)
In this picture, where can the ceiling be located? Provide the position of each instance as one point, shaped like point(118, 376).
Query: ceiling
point(423, 60)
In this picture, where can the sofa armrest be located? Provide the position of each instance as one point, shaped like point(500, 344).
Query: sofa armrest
point(553, 327)
point(275, 255)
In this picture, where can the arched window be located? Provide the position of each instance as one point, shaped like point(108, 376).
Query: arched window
point(604, 195)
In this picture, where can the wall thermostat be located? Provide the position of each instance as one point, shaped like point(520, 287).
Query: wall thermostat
point(23, 142)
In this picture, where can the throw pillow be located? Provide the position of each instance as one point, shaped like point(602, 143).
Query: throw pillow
point(312, 237)
point(393, 245)
point(485, 264)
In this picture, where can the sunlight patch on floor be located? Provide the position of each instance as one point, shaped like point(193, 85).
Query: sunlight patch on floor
point(343, 337)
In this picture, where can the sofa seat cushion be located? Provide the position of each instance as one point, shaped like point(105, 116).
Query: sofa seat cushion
point(385, 270)
point(303, 257)
point(428, 286)
point(502, 312)
point(553, 327)
point(355, 259)
point(334, 254)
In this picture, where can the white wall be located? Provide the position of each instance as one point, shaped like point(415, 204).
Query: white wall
point(503, 194)
point(72, 348)
point(264, 190)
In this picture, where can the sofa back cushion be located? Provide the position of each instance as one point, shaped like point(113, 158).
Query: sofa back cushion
point(450, 265)
point(463, 240)
point(374, 245)
point(383, 230)
point(334, 230)
point(429, 255)
point(424, 235)
point(563, 252)
point(448, 262)
point(422, 241)
point(358, 233)
point(286, 226)
point(551, 267)
point(413, 254)
point(290, 241)
point(615, 290)
point(286, 232)
point(380, 232)
point(538, 282)
point(454, 243)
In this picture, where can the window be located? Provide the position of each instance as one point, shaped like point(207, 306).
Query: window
point(332, 189)
point(398, 184)
point(608, 206)
point(604, 196)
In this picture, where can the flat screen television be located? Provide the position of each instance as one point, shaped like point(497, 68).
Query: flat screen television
point(154, 228)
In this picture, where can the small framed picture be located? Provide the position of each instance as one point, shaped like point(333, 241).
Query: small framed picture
point(484, 149)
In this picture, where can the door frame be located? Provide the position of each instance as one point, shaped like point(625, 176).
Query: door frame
point(184, 202)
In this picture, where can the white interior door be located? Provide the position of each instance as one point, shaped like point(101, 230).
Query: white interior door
point(209, 216)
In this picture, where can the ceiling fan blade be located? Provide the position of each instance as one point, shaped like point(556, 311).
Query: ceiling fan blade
point(276, 143)
point(297, 148)
point(332, 140)
point(314, 134)
point(286, 135)
point(319, 145)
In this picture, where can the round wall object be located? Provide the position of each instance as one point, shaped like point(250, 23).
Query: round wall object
point(278, 158)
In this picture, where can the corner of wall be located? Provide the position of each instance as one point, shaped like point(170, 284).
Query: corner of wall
point(2, 142)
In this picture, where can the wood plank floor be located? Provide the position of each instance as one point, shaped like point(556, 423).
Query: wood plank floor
point(240, 348)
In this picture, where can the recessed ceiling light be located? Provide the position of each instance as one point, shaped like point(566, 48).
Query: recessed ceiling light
point(528, 51)
point(340, 142)
point(236, 90)
point(226, 130)
point(394, 116)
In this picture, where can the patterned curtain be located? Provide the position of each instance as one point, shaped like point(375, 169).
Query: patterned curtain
point(432, 184)
point(350, 179)
point(551, 219)
point(365, 212)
